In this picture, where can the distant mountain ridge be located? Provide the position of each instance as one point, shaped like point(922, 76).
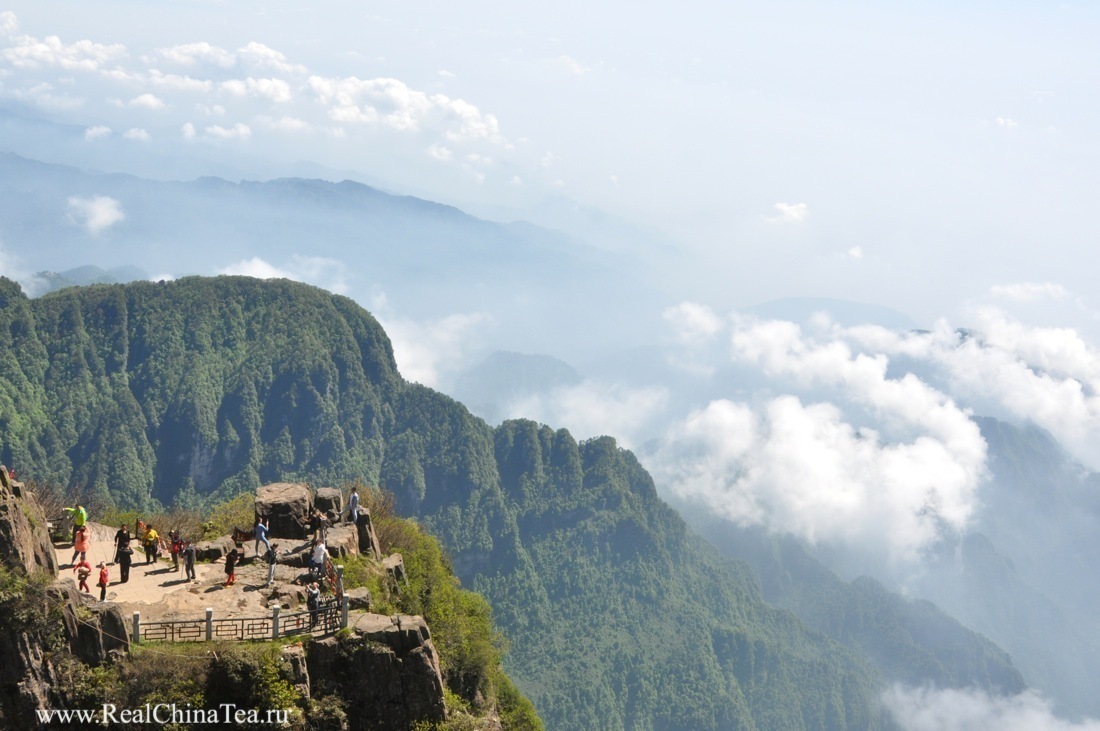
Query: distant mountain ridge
point(430, 259)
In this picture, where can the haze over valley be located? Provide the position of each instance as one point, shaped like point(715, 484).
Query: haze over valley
point(825, 270)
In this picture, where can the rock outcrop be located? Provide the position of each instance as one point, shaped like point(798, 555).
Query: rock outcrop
point(387, 670)
point(368, 539)
point(287, 506)
point(24, 536)
point(329, 499)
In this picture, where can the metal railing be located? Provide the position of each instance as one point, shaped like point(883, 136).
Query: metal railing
point(326, 619)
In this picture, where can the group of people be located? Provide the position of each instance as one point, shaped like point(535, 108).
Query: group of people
point(177, 547)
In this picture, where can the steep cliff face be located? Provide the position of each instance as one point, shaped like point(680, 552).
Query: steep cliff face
point(38, 617)
point(386, 671)
point(24, 537)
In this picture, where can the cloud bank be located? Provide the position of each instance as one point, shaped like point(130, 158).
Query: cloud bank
point(925, 709)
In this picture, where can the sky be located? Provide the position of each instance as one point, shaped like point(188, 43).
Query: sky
point(941, 159)
point(913, 156)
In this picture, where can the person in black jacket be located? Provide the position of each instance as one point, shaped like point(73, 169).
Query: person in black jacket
point(231, 567)
point(189, 561)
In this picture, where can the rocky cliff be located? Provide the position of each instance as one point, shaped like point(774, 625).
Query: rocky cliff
point(43, 620)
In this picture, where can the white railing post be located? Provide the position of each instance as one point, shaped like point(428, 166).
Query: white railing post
point(209, 624)
point(137, 627)
point(340, 581)
point(344, 611)
point(274, 621)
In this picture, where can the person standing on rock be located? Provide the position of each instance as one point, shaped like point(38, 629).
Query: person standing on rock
point(104, 580)
point(125, 557)
point(83, 571)
point(80, 544)
point(122, 540)
point(317, 558)
point(272, 558)
point(320, 524)
point(231, 567)
point(260, 534)
point(353, 505)
point(189, 561)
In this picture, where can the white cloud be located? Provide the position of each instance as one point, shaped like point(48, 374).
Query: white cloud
point(1029, 291)
point(236, 132)
point(928, 709)
point(29, 52)
point(175, 82)
point(428, 352)
point(391, 103)
point(790, 213)
point(188, 131)
point(1006, 122)
point(571, 65)
point(856, 252)
point(888, 484)
point(595, 408)
point(330, 274)
point(8, 23)
point(276, 90)
point(445, 74)
point(285, 124)
point(94, 133)
point(260, 56)
point(192, 54)
point(147, 101)
point(136, 133)
point(439, 152)
point(693, 322)
point(96, 214)
point(12, 267)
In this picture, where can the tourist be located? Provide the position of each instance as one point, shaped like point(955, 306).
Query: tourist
point(320, 525)
point(104, 580)
point(317, 558)
point(125, 557)
point(272, 558)
point(122, 539)
point(80, 543)
point(353, 505)
point(83, 571)
point(313, 602)
point(149, 541)
point(189, 561)
point(175, 546)
point(260, 534)
point(231, 567)
point(79, 516)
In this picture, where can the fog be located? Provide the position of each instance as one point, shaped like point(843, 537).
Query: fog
point(791, 254)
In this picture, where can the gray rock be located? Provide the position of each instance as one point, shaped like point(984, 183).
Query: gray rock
point(368, 539)
point(343, 540)
point(287, 506)
point(329, 498)
point(213, 550)
point(359, 598)
point(387, 669)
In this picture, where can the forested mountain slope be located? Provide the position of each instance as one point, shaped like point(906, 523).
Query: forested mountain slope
point(619, 616)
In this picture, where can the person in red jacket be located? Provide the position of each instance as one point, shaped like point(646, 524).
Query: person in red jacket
point(104, 580)
point(83, 571)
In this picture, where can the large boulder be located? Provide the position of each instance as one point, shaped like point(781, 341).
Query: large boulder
point(287, 507)
point(215, 549)
point(386, 668)
point(329, 498)
point(343, 540)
